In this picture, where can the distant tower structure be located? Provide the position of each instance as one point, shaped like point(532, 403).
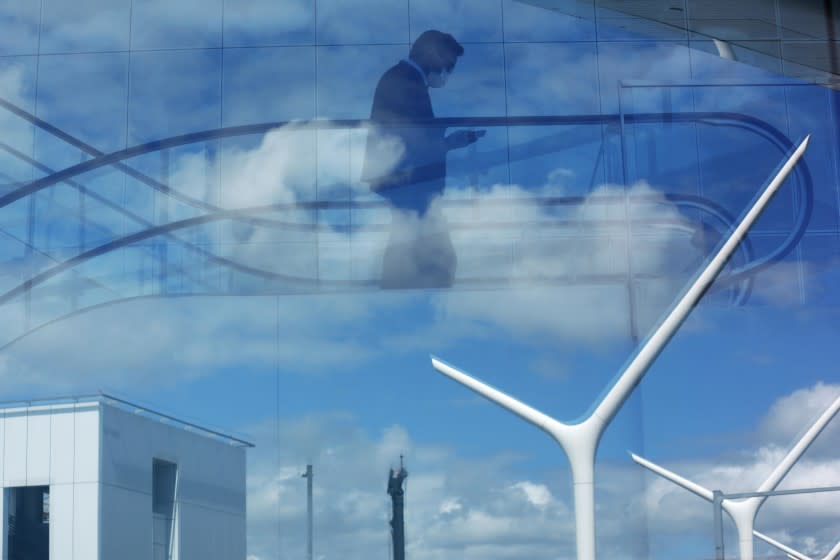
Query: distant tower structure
point(395, 489)
point(308, 476)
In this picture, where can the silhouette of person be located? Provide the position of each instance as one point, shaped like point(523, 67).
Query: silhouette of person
point(405, 163)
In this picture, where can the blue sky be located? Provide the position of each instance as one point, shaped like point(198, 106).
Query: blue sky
point(343, 380)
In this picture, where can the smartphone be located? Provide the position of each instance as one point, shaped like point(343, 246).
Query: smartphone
point(476, 134)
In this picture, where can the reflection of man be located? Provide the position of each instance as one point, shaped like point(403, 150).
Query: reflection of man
point(405, 163)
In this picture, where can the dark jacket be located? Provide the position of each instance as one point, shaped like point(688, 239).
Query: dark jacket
point(402, 97)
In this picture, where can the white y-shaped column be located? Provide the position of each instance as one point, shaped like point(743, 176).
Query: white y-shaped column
point(743, 512)
point(795, 554)
point(580, 441)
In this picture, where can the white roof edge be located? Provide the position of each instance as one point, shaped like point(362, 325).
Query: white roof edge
point(75, 402)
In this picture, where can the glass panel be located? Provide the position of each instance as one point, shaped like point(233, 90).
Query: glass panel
point(91, 26)
point(652, 63)
point(724, 177)
point(476, 87)
point(561, 159)
point(758, 60)
point(753, 19)
point(160, 24)
point(85, 97)
point(470, 21)
point(812, 110)
point(173, 93)
point(252, 23)
point(655, 21)
point(19, 20)
point(821, 268)
point(268, 84)
point(347, 78)
point(17, 94)
point(362, 22)
point(537, 21)
point(535, 86)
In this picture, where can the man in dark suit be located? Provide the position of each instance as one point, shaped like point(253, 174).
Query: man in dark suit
point(405, 163)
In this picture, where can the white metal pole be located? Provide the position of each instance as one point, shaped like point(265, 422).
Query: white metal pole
point(580, 441)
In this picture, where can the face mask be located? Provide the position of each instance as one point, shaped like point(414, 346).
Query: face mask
point(437, 79)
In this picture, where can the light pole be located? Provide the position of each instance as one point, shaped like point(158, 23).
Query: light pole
point(308, 476)
point(580, 441)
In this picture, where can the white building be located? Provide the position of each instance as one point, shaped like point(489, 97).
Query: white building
point(95, 478)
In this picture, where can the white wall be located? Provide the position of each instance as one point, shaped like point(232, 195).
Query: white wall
point(58, 446)
point(38, 446)
point(61, 521)
point(14, 448)
point(97, 460)
point(210, 499)
point(207, 533)
point(126, 524)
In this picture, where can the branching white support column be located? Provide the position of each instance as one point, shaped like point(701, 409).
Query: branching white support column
point(580, 441)
point(743, 512)
point(795, 554)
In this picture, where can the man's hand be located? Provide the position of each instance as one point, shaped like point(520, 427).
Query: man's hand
point(463, 138)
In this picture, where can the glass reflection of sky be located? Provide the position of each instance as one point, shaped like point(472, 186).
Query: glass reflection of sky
point(159, 24)
point(19, 27)
point(471, 21)
point(268, 84)
point(17, 85)
point(173, 92)
point(552, 79)
point(86, 96)
point(362, 22)
point(69, 26)
point(527, 23)
point(255, 23)
point(111, 78)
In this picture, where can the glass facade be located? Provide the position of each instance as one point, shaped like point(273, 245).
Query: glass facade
point(265, 215)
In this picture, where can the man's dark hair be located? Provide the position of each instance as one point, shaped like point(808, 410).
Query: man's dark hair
point(435, 50)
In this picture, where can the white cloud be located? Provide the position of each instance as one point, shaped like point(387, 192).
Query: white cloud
point(537, 494)
point(450, 505)
point(581, 307)
point(791, 415)
point(165, 342)
point(454, 505)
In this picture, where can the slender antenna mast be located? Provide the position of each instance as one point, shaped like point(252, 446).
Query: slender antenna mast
point(308, 476)
point(580, 441)
point(395, 489)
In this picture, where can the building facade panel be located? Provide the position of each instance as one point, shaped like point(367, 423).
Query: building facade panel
point(62, 444)
point(15, 446)
point(157, 478)
point(86, 520)
point(38, 442)
point(126, 523)
point(62, 525)
point(87, 428)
